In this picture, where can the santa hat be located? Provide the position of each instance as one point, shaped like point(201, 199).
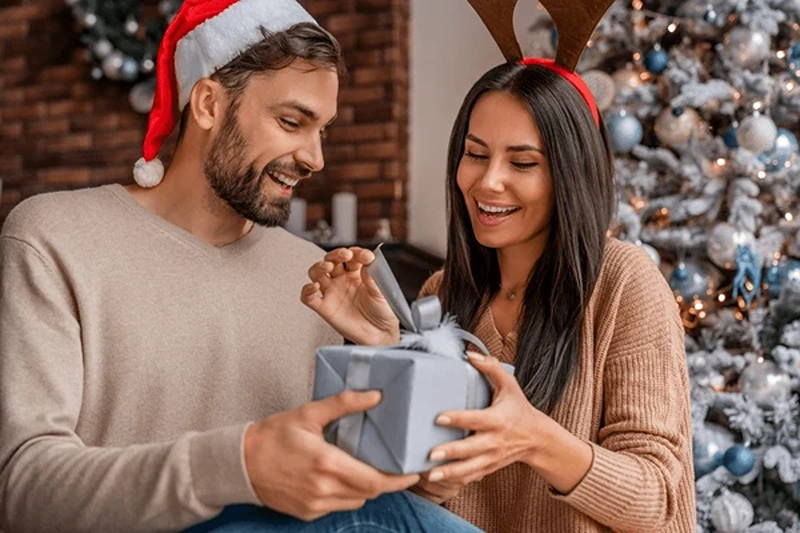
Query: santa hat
point(204, 36)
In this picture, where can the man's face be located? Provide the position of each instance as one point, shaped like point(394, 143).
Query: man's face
point(272, 140)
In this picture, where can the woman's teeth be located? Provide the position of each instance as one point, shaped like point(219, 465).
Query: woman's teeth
point(494, 210)
point(285, 180)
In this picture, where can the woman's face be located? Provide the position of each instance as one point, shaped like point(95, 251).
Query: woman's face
point(504, 174)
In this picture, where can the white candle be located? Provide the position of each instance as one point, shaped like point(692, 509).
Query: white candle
point(345, 218)
point(297, 217)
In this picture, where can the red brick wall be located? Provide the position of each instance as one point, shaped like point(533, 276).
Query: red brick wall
point(60, 129)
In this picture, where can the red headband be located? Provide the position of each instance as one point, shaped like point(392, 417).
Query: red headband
point(571, 77)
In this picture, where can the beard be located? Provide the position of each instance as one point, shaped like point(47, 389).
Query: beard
point(241, 185)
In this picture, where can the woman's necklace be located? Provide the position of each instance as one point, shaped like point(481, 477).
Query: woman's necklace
point(510, 294)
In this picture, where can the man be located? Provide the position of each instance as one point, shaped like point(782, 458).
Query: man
point(143, 328)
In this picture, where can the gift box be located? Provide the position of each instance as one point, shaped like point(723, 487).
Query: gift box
point(426, 374)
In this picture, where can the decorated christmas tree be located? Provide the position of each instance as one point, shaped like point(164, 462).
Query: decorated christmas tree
point(702, 102)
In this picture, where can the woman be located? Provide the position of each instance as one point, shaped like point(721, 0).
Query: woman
point(594, 432)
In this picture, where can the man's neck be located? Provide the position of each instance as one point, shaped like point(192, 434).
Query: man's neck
point(186, 200)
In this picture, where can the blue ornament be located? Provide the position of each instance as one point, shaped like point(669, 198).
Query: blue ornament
point(739, 460)
point(793, 56)
point(709, 444)
point(747, 268)
point(783, 151)
point(129, 70)
point(656, 61)
point(710, 16)
point(730, 139)
point(690, 279)
point(554, 38)
point(677, 111)
point(778, 275)
point(625, 131)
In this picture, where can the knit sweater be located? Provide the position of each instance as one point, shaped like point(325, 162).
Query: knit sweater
point(629, 399)
point(132, 356)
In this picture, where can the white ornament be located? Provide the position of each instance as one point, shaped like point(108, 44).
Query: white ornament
point(723, 241)
point(757, 133)
point(732, 513)
point(602, 87)
point(675, 126)
point(765, 384)
point(626, 78)
point(148, 174)
point(141, 96)
point(112, 64)
point(102, 48)
point(747, 48)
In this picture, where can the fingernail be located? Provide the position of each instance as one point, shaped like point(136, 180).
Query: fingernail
point(438, 455)
point(436, 475)
point(475, 356)
point(443, 420)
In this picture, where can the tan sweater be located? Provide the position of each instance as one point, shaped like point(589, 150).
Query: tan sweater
point(132, 356)
point(630, 400)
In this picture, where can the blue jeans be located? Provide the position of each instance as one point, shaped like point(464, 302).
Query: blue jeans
point(402, 512)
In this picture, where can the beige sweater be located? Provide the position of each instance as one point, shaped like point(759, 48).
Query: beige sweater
point(132, 356)
point(630, 400)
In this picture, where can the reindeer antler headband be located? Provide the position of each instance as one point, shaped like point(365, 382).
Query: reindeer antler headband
point(575, 20)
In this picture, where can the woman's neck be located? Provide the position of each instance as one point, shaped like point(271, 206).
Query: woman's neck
point(516, 262)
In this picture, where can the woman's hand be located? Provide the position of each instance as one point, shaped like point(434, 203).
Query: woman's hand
point(438, 493)
point(343, 293)
point(510, 430)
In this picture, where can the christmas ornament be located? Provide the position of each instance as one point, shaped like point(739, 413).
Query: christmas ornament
point(626, 79)
point(757, 133)
point(739, 460)
point(723, 241)
point(652, 252)
point(102, 48)
point(747, 281)
point(147, 65)
point(602, 86)
point(656, 61)
point(625, 131)
point(690, 279)
point(746, 48)
point(732, 513)
point(709, 444)
point(112, 64)
point(793, 57)
point(131, 26)
point(89, 20)
point(780, 273)
point(710, 16)
point(765, 384)
point(129, 70)
point(141, 96)
point(783, 152)
point(675, 126)
point(730, 139)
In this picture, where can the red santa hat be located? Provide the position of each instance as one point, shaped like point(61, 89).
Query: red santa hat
point(204, 36)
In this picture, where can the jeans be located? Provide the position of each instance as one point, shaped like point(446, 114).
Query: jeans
point(402, 512)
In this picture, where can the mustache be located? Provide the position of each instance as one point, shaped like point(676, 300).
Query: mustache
point(292, 169)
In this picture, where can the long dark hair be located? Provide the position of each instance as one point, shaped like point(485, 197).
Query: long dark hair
point(581, 166)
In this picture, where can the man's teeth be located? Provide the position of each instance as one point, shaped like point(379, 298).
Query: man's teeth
point(496, 209)
point(284, 179)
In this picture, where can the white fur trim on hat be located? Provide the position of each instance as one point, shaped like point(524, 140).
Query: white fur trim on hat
point(148, 174)
point(220, 39)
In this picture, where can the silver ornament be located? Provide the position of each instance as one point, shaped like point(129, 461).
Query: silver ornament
point(652, 252)
point(141, 96)
point(112, 64)
point(757, 133)
point(602, 87)
point(129, 70)
point(89, 20)
point(765, 384)
point(625, 131)
point(147, 65)
point(626, 79)
point(101, 48)
point(732, 513)
point(747, 48)
point(722, 243)
point(97, 73)
point(675, 126)
point(131, 26)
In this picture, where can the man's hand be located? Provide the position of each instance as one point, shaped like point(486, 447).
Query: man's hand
point(295, 472)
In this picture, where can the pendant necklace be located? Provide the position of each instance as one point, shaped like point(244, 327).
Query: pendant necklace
point(510, 294)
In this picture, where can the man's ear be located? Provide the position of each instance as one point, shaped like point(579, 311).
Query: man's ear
point(207, 101)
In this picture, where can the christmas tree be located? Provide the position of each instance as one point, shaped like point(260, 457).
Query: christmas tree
point(702, 102)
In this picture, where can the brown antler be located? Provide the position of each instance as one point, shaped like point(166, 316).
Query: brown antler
point(575, 20)
point(498, 17)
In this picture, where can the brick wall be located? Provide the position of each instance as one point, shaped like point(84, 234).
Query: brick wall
point(60, 129)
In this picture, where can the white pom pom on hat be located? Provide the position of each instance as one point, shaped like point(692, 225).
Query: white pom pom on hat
point(204, 36)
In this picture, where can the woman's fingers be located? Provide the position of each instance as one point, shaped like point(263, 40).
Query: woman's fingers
point(477, 444)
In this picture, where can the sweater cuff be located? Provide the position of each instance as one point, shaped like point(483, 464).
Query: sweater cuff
point(219, 474)
point(608, 490)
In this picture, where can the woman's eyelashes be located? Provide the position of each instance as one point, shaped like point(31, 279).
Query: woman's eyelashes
point(521, 165)
point(289, 124)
